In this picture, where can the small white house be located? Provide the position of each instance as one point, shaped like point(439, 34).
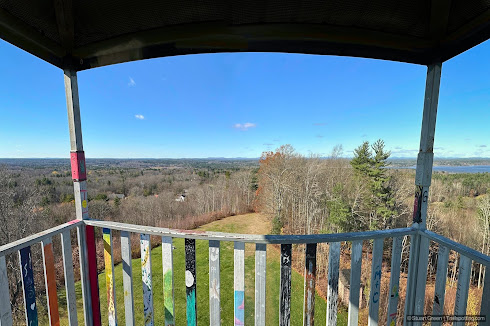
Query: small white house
point(181, 198)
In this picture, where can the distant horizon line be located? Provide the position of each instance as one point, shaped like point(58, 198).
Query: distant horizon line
point(222, 157)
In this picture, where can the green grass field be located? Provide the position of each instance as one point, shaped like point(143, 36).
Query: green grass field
point(226, 269)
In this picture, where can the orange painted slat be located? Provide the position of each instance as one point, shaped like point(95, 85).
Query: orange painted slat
point(50, 277)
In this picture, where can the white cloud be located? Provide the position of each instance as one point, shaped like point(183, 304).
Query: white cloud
point(244, 126)
point(131, 83)
point(139, 116)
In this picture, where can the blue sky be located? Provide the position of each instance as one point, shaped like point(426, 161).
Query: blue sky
point(239, 105)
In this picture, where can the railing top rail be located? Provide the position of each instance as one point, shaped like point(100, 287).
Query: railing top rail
point(38, 237)
point(253, 238)
point(453, 245)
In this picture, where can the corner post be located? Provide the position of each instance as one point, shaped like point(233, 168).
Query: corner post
point(419, 247)
point(86, 241)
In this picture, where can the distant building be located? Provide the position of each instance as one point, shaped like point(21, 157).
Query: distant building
point(181, 198)
point(114, 196)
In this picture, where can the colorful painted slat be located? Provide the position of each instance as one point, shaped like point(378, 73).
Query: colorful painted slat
point(168, 281)
point(462, 288)
point(239, 284)
point(5, 309)
point(440, 288)
point(50, 282)
point(25, 259)
point(71, 299)
point(146, 278)
point(190, 281)
point(127, 268)
point(310, 279)
point(214, 283)
point(260, 283)
point(109, 277)
point(485, 298)
point(375, 292)
point(92, 274)
point(355, 283)
point(396, 255)
point(333, 283)
point(285, 286)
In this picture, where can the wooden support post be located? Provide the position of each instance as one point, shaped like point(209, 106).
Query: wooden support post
point(422, 183)
point(90, 287)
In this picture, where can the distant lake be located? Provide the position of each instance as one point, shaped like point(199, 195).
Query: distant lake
point(456, 169)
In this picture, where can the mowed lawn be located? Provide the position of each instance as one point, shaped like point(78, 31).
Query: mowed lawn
point(248, 223)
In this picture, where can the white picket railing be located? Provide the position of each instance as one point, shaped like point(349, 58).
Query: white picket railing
point(90, 287)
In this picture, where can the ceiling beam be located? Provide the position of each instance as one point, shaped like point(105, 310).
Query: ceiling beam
point(64, 20)
point(18, 33)
point(439, 18)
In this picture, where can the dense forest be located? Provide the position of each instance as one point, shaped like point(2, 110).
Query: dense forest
point(300, 194)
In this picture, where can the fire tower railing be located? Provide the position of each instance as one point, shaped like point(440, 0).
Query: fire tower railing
point(415, 298)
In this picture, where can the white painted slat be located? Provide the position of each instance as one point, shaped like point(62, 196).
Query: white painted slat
point(421, 278)
point(168, 281)
point(85, 275)
point(463, 287)
point(71, 298)
point(127, 268)
point(375, 292)
point(5, 310)
point(355, 283)
point(146, 278)
point(333, 283)
point(260, 283)
point(239, 283)
point(214, 283)
point(440, 288)
point(396, 255)
point(485, 299)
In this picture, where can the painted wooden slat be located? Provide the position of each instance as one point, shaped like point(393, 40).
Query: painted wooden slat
point(333, 283)
point(239, 283)
point(71, 299)
point(92, 274)
point(462, 288)
point(355, 283)
point(146, 278)
point(440, 288)
point(375, 292)
point(190, 281)
point(396, 255)
point(25, 259)
point(50, 282)
point(214, 283)
point(83, 259)
point(285, 286)
point(109, 277)
point(5, 309)
point(127, 268)
point(485, 299)
point(310, 279)
point(168, 281)
point(260, 283)
point(421, 278)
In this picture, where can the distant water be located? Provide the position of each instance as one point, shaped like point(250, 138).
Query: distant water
point(458, 169)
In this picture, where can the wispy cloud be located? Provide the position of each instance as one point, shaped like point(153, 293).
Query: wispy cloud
point(139, 116)
point(268, 144)
point(483, 146)
point(319, 136)
point(319, 124)
point(244, 126)
point(131, 83)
